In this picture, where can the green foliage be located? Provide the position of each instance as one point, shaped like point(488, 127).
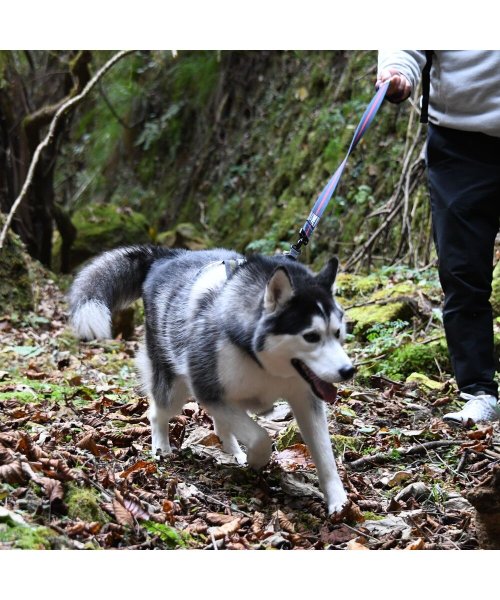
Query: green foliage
point(370, 316)
point(430, 359)
point(386, 336)
point(187, 140)
point(168, 535)
point(165, 124)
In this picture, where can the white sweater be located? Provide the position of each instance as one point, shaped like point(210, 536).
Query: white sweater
point(465, 85)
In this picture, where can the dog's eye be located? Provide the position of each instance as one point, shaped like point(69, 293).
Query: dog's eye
point(312, 338)
point(337, 333)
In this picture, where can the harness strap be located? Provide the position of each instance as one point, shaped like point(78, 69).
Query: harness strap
point(327, 193)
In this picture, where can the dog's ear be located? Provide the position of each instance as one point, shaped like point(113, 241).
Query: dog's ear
point(279, 290)
point(326, 277)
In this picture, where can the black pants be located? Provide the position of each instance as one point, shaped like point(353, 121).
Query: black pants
point(464, 184)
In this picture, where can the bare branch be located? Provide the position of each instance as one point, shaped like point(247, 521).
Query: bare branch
point(73, 102)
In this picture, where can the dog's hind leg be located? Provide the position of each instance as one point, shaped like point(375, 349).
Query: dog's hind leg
point(167, 395)
point(311, 419)
point(161, 410)
point(235, 424)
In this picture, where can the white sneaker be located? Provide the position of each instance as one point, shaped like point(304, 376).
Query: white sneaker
point(480, 407)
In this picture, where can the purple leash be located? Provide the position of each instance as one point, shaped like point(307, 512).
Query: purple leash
point(327, 193)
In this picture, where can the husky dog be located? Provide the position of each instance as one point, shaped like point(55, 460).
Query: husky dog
point(235, 333)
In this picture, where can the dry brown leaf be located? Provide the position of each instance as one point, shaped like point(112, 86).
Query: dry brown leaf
point(258, 521)
point(132, 506)
point(227, 529)
point(13, 472)
point(416, 545)
point(219, 518)
point(354, 513)
point(284, 522)
point(123, 516)
point(56, 468)
point(338, 535)
point(52, 488)
point(168, 507)
point(354, 545)
point(235, 546)
point(196, 527)
point(147, 467)
point(9, 439)
point(293, 458)
point(481, 433)
point(88, 443)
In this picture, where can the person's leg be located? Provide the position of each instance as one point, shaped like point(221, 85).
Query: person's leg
point(464, 185)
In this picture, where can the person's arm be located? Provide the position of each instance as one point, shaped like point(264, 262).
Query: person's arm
point(403, 68)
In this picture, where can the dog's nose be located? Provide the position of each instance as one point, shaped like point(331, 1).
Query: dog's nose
point(347, 372)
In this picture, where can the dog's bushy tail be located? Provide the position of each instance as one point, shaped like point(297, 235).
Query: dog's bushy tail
point(110, 282)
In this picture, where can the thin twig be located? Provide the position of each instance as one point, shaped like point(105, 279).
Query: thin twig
point(50, 135)
point(384, 457)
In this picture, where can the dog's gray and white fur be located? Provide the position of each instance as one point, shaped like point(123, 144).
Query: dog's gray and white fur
point(236, 340)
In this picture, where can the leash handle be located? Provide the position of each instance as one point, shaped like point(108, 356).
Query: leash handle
point(327, 192)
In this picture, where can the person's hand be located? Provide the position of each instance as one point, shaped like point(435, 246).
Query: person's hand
point(399, 87)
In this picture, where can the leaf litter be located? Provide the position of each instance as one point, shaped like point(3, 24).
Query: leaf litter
point(75, 460)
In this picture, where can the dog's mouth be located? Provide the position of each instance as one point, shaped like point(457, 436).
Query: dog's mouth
point(323, 389)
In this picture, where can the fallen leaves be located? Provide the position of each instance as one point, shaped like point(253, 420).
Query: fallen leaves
point(71, 419)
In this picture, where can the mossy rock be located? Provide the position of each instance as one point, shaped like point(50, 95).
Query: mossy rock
point(351, 286)
point(495, 293)
point(417, 358)
point(184, 235)
point(405, 288)
point(364, 317)
point(104, 227)
point(16, 276)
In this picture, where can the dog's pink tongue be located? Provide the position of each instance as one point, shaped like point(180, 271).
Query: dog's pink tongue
point(327, 390)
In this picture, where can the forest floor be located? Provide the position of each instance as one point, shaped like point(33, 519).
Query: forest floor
point(76, 469)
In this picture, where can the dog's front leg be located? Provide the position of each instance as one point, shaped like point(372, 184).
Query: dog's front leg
point(311, 419)
point(236, 424)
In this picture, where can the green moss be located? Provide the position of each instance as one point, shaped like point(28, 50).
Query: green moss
point(16, 290)
point(84, 504)
point(104, 227)
point(406, 288)
point(184, 235)
point(371, 516)
point(420, 358)
point(365, 317)
point(29, 390)
point(24, 537)
point(350, 286)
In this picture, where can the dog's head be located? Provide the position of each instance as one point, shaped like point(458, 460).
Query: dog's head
point(302, 329)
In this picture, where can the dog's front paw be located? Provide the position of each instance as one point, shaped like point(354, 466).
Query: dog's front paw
point(338, 506)
point(160, 447)
point(241, 457)
point(339, 512)
point(258, 455)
